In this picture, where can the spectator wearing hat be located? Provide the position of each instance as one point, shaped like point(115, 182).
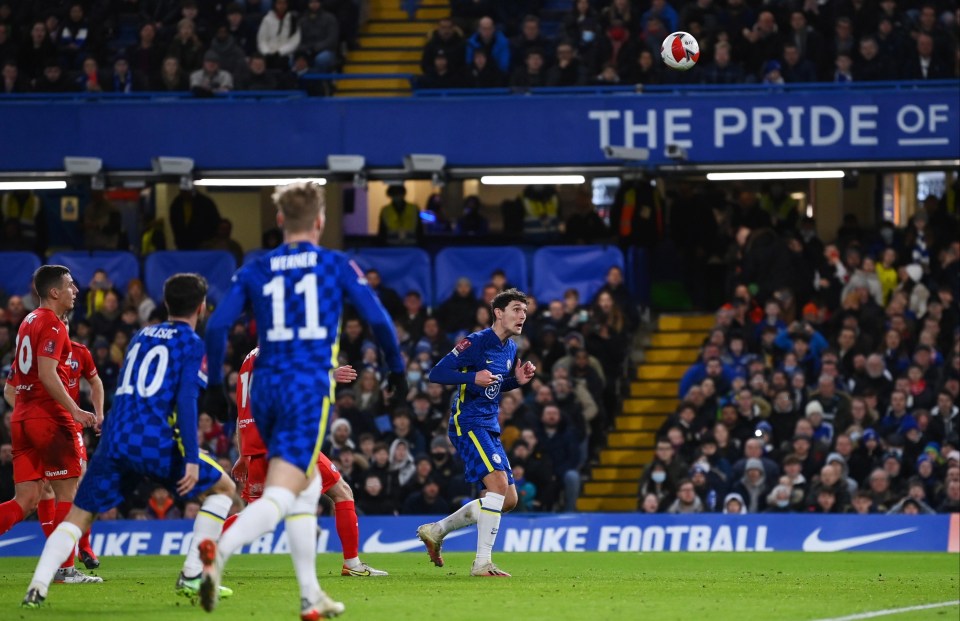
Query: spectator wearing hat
point(753, 449)
point(339, 437)
point(441, 75)
point(733, 504)
point(752, 486)
point(400, 220)
point(210, 78)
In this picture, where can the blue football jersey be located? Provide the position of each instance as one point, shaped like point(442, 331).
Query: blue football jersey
point(154, 411)
point(476, 407)
point(297, 292)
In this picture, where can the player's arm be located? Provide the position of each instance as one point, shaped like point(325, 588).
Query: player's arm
point(188, 393)
point(96, 397)
point(47, 371)
point(454, 368)
point(371, 309)
point(226, 313)
point(10, 394)
point(523, 372)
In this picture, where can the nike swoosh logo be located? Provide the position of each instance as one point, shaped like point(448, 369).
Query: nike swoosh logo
point(16, 540)
point(374, 545)
point(813, 542)
point(489, 361)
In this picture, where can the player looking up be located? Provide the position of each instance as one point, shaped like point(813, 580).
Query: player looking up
point(483, 365)
point(45, 442)
point(152, 432)
point(297, 292)
point(251, 470)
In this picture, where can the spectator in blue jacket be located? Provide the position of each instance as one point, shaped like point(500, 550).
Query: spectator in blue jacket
point(492, 41)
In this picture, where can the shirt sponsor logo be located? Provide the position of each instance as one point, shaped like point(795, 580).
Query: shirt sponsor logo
point(54, 473)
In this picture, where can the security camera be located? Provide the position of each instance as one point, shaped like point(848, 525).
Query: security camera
point(82, 165)
point(634, 154)
point(172, 165)
point(675, 152)
point(360, 180)
point(346, 163)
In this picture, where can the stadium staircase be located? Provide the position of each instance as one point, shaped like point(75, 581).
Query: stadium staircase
point(390, 43)
point(614, 483)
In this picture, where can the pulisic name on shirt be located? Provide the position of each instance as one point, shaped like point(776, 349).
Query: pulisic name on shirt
point(293, 261)
point(160, 332)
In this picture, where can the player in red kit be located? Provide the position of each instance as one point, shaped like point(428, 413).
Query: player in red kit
point(46, 446)
point(251, 470)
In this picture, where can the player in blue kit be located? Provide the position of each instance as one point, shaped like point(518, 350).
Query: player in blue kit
point(151, 431)
point(484, 365)
point(297, 292)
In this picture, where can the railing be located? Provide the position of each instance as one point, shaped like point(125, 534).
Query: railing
point(685, 89)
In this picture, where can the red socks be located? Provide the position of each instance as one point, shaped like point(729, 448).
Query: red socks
point(347, 528)
point(228, 523)
point(84, 543)
point(10, 514)
point(63, 508)
point(47, 515)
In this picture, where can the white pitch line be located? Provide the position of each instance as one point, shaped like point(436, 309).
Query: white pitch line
point(892, 611)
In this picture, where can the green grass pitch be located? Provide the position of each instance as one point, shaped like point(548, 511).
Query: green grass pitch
point(545, 586)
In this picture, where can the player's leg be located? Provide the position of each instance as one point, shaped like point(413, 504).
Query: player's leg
point(252, 485)
point(47, 509)
point(348, 529)
point(101, 491)
point(499, 485)
point(25, 499)
point(301, 528)
point(28, 474)
point(208, 524)
point(63, 457)
point(60, 545)
point(64, 489)
point(84, 550)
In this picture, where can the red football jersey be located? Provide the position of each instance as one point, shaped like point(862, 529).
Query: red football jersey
point(81, 365)
point(250, 442)
point(41, 335)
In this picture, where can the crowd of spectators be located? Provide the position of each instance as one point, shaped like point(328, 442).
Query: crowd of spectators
point(609, 42)
point(397, 459)
point(60, 46)
point(831, 380)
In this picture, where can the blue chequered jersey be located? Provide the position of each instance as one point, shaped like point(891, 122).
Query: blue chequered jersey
point(475, 407)
point(297, 292)
point(154, 413)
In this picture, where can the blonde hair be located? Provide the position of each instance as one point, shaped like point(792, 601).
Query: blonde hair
point(300, 203)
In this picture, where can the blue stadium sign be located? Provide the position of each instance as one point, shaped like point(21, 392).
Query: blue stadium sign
point(586, 532)
point(742, 125)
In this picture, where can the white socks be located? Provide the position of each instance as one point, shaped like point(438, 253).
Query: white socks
point(462, 517)
point(488, 524)
point(301, 527)
point(59, 545)
point(207, 525)
point(260, 518)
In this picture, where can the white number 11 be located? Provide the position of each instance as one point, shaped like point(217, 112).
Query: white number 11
point(307, 286)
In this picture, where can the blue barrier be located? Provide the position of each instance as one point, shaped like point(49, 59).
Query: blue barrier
point(253, 255)
point(583, 532)
point(477, 263)
point(402, 269)
point(217, 266)
point(120, 266)
point(731, 125)
point(558, 268)
point(16, 277)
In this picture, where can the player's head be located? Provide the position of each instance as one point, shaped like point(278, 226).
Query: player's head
point(510, 310)
point(184, 295)
point(55, 287)
point(300, 208)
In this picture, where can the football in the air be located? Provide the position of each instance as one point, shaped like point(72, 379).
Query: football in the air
point(680, 51)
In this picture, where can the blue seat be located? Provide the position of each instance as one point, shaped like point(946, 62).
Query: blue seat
point(120, 266)
point(401, 269)
point(584, 268)
point(16, 276)
point(477, 263)
point(217, 266)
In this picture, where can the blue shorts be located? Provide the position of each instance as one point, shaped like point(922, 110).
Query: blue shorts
point(482, 453)
point(291, 421)
point(110, 478)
